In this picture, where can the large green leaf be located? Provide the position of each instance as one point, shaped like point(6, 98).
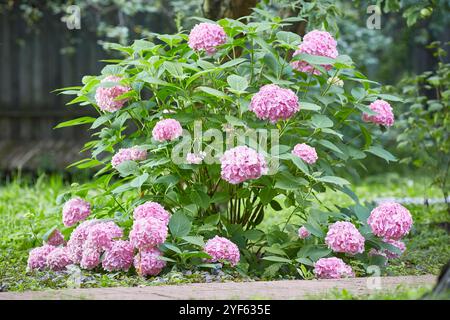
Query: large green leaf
point(179, 225)
point(382, 153)
point(334, 180)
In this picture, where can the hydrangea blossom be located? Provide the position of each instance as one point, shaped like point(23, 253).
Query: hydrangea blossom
point(384, 115)
point(316, 43)
point(75, 210)
point(106, 96)
point(274, 103)
point(90, 257)
point(153, 210)
point(242, 163)
point(128, 154)
point(305, 152)
point(119, 256)
point(206, 36)
point(148, 232)
point(390, 220)
point(342, 236)
point(56, 238)
point(37, 259)
point(220, 248)
point(58, 259)
point(303, 233)
point(102, 234)
point(167, 130)
point(77, 240)
point(148, 262)
point(195, 158)
point(332, 268)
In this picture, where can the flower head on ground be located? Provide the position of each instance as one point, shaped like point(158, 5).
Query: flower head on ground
point(206, 36)
point(242, 163)
point(58, 259)
point(37, 259)
point(274, 103)
point(390, 220)
point(148, 262)
point(384, 115)
point(119, 256)
point(332, 268)
point(106, 97)
point(75, 210)
point(220, 249)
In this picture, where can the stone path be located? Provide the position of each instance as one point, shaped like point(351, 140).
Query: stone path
point(279, 290)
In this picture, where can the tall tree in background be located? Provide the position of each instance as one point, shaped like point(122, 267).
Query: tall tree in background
point(234, 9)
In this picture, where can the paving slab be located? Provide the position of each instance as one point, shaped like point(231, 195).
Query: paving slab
point(277, 290)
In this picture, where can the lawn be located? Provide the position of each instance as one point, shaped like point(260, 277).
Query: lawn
point(28, 209)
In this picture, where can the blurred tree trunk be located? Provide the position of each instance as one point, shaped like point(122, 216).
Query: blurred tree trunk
point(234, 9)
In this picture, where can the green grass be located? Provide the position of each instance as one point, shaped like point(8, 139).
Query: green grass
point(28, 209)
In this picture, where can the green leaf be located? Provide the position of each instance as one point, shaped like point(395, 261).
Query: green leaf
point(172, 247)
point(76, 122)
point(214, 92)
point(305, 261)
point(315, 60)
point(277, 259)
point(253, 234)
point(321, 121)
point(288, 37)
point(232, 63)
point(101, 120)
point(380, 152)
point(174, 68)
point(213, 219)
point(275, 205)
point(317, 253)
point(334, 180)
point(139, 181)
point(200, 198)
point(300, 164)
point(127, 168)
point(179, 225)
point(330, 145)
point(197, 240)
point(390, 97)
point(287, 181)
point(237, 83)
point(309, 106)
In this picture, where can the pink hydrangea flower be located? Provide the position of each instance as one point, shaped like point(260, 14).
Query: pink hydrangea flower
point(102, 234)
point(106, 96)
point(242, 163)
point(384, 115)
point(58, 259)
point(167, 130)
point(77, 240)
point(342, 236)
point(220, 248)
point(37, 259)
point(390, 220)
point(90, 257)
point(148, 262)
point(305, 152)
point(195, 158)
point(332, 268)
point(119, 256)
point(316, 43)
point(274, 103)
point(148, 232)
point(128, 154)
point(153, 210)
point(56, 238)
point(75, 210)
point(303, 233)
point(206, 36)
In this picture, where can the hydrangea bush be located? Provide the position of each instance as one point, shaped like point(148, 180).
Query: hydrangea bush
point(199, 135)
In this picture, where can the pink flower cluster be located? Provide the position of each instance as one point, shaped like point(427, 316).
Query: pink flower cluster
point(56, 238)
point(332, 268)
point(242, 163)
point(128, 154)
point(119, 256)
point(342, 236)
point(206, 36)
point(195, 158)
point(220, 249)
point(384, 115)
point(303, 233)
point(148, 262)
point(75, 210)
point(305, 152)
point(316, 43)
point(167, 130)
point(148, 232)
point(58, 259)
point(390, 220)
point(274, 103)
point(106, 96)
point(151, 210)
point(37, 259)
